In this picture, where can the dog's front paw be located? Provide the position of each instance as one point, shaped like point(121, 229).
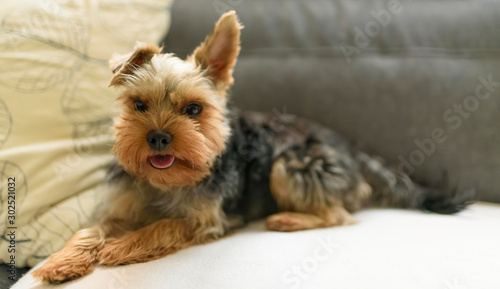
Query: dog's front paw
point(61, 271)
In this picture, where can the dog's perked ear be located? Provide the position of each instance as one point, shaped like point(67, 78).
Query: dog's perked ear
point(218, 53)
point(123, 65)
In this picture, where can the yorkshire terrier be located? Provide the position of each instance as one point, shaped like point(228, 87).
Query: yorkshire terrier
point(190, 170)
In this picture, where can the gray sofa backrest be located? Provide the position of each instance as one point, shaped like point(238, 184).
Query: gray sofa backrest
point(406, 80)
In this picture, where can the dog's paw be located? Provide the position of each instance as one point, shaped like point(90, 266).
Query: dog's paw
point(285, 223)
point(61, 271)
point(120, 253)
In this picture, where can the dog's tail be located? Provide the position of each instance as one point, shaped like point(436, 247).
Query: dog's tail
point(392, 188)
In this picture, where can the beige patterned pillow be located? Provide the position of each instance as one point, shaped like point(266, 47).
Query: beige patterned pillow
point(56, 110)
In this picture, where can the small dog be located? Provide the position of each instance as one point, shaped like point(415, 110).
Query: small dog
point(190, 170)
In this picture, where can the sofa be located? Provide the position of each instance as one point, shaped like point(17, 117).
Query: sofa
point(414, 82)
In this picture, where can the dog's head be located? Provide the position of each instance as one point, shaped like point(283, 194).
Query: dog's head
point(173, 122)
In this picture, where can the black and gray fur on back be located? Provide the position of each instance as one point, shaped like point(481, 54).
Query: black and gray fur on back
point(319, 167)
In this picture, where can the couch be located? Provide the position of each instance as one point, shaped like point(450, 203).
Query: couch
point(415, 82)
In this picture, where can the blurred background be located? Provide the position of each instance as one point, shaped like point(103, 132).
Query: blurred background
point(416, 82)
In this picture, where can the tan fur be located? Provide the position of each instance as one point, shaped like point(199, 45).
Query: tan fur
point(322, 218)
point(166, 236)
point(316, 210)
point(76, 259)
point(224, 41)
point(121, 66)
point(157, 240)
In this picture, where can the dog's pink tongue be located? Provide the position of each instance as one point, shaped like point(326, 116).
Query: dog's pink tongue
point(162, 162)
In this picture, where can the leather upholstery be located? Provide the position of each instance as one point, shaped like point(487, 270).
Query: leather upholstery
point(398, 87)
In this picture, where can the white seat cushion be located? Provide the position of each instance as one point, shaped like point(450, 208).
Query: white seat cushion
point(387, 249)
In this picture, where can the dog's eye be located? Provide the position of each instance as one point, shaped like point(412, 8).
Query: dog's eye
point(139, 105)
point(193, 109)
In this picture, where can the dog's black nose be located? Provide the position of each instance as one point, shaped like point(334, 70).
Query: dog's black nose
point(159, 140)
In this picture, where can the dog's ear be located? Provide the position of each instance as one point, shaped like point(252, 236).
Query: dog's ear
point(218, 53)
point(124, 65)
